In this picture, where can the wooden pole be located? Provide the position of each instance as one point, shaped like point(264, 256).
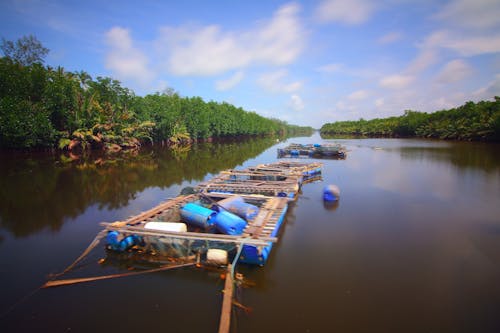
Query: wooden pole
point(227, 302)
point(57, 283)
point(94, 243)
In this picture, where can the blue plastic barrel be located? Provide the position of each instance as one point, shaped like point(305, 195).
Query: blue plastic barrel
point(294, 152)
point(331, 193)
point(237, 205)
point(228, 223)
point(114, 242)
point(197, 215)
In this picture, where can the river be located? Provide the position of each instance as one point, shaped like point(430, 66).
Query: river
point(412, 246)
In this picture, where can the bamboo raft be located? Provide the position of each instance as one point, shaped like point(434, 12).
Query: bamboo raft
point(313, 150)
point(267, 187)
point(253, 182)
point(307, 171)
point(281, 179)
point(256, 238)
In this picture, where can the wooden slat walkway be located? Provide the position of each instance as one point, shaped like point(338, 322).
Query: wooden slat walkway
point(287, 167)
point(267, 219)
point(250, 187)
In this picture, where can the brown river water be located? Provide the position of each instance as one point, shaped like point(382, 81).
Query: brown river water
point(412, 246)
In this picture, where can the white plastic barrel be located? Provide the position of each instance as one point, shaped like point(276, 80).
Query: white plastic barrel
point(166, 226)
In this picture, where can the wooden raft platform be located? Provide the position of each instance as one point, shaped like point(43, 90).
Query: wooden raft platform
point(328, 150)
point(267, 188)
point(256, 233)
point(289, 167)
point(233, 175)
point(268, 220)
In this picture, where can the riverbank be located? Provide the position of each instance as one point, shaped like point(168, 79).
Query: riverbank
point(469, 122)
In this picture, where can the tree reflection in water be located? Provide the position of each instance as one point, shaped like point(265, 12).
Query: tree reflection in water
point(41, 190)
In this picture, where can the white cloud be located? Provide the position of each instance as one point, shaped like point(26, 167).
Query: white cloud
point(390, 37)
point(330, 68)
point(424, 59)
point(358, 95)
point(474, 45)
point(379, 102)
point(475, 14)
point(210, 50)
point(296, 102)
point(349, 12)
point(454, 71)
point(466, 44)
point(202, 51)
point(490, 90)
point(230, 82)
point(396, 81)
point(275, 82)
point(124, 60)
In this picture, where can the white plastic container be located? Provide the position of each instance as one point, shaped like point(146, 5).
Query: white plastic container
point(166, 226)
point(217, 257)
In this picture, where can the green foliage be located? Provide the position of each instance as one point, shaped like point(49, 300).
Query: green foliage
point(471, 121)
point(24, 125)
point(47, 107)
point(27, 50)
point(180, 135)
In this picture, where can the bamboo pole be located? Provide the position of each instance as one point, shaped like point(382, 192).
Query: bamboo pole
point(264, 241)
point(91, 246)
point(227, 302)
point(58, 283)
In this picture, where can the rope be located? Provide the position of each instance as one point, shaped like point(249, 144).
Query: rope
point(93, 244)
point(233, 265)
point(22, 300)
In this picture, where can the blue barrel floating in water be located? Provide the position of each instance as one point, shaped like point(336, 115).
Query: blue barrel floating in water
point(237, 205)
point(228, 223)
point(331, 193)
point(197, 215)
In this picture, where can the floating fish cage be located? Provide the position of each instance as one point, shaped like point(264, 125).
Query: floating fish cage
point(199, 225)
point(308, 171)
point(252, 182)
point(313, 150)
point(236, 215)
point(281, 189)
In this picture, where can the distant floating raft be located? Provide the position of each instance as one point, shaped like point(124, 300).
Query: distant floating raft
point(282, 189)
point(313, 150)
point(308, 171)
point(281, 179)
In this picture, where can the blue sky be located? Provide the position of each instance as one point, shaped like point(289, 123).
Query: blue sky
point(305, 62)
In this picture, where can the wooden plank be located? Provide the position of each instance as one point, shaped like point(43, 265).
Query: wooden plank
point(227, 302)
point(270, 207)
point(192, 235)
point(153, 211)
point(65, 282)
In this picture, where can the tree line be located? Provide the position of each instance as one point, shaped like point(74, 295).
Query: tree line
point(472, 122)
point(42, 106)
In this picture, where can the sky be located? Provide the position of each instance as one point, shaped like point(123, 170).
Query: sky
point(304, 62)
